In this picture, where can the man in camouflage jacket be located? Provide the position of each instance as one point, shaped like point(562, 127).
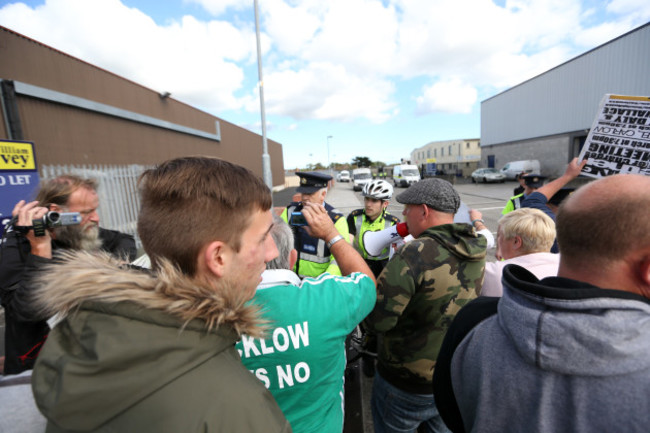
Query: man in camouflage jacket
point(418, 294)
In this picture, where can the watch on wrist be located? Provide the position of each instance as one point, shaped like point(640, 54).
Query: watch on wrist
point(334, 240)
point(478, 220)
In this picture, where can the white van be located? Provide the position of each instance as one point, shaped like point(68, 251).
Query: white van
point(405, 175)
point(343, 176)
point(513, 168)
point(360, 177)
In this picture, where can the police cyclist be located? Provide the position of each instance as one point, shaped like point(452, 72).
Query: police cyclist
point(373, 217)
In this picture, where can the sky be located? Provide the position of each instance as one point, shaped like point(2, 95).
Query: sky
point(342, 78)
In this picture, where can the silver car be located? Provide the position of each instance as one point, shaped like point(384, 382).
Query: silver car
point(486, 175)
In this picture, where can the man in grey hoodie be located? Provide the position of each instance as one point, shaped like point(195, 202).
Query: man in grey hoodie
point(567, 353)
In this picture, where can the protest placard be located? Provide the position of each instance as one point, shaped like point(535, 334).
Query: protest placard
point(619, 139)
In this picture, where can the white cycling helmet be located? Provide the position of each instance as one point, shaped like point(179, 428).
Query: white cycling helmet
point(378, 189)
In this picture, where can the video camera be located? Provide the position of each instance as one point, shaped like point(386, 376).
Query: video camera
point(297, 218)
point(57, 219)
point(49, 220)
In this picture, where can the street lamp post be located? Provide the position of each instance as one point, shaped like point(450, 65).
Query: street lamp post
point(266, 159)
point(329, 165)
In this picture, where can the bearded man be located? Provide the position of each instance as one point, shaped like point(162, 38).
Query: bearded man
point(24, 250)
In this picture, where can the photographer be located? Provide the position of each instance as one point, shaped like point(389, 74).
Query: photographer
point(30, 242)
point(314, 256)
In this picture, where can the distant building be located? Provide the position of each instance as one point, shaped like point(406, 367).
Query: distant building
point(459, 157)
point(77, 113)
point(549, 116)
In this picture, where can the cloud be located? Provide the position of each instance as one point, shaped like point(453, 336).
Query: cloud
point(290, 28)
point(187, 57)
point(640, 8)
point(218, 7)
point(326, 91)
point(447, 96)
point(338, 60)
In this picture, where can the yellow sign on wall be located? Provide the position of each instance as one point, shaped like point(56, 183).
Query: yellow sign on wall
point(17, 156)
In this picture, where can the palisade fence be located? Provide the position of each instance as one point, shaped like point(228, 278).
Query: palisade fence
point(119, 201)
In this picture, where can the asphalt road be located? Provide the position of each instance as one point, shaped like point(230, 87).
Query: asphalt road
point(489, 199)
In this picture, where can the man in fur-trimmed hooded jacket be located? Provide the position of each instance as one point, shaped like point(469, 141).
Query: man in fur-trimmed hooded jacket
point(139, 351)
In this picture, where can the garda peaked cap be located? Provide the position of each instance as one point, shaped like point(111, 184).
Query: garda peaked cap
point(436, 193)
point(534, 180)
point(312, 181)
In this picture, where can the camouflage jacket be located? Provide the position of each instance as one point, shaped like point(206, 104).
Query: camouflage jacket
point(418, 294)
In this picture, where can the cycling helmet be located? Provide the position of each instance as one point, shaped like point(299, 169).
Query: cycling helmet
point(378, 189)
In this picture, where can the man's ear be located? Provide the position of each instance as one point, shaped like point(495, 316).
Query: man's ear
point(517, 242)
point(215, 257)
point(644, 274)
point(293, 258)
point(423, 210)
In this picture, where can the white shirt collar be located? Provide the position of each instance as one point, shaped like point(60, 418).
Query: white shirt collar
point(277, 277)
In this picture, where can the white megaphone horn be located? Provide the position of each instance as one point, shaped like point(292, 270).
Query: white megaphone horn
point(375, 242)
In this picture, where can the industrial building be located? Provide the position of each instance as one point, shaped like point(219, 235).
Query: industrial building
point(77, 113)
point(549, 116)
point(459, 157)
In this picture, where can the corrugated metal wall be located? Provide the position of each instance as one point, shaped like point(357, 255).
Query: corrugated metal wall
point(65, 134)
point(566, 98)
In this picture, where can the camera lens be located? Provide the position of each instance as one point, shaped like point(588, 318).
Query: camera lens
point(52, 217)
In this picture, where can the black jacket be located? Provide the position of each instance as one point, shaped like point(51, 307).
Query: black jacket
point(25, 330)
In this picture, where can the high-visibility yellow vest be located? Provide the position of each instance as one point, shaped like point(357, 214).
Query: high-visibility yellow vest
point(314, 257)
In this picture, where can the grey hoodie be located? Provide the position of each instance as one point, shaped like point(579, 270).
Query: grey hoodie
point(551, 356)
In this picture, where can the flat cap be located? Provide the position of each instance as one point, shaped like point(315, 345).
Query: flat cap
point(436, 193)
point(534, 180)
point(312, 181)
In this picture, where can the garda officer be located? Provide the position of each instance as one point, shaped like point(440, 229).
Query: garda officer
point(373, 217)
point(530, 184)
point(314, 257)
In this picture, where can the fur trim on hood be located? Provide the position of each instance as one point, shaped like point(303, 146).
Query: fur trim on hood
point(80, 277)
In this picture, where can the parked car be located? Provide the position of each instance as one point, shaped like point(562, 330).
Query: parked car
point(343, 176)
point(486, 175)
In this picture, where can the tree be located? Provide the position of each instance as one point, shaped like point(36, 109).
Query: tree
point(314, 167)
point(361, 161)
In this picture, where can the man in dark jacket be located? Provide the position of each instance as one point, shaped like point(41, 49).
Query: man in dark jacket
point(140, 351)
point(541, 198)
point(22, 251)
point(418, 294)
point(565, 353)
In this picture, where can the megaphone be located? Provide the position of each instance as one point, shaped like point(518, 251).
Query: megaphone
point(375, 242)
